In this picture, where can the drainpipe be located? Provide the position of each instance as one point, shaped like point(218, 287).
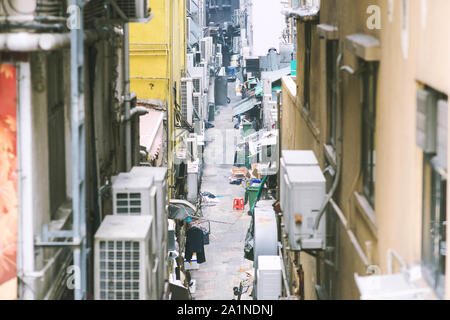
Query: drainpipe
point(126, 51)
point(330, 194)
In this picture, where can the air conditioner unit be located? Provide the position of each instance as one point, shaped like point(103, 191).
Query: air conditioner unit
point(190, 61)
point(192, 181)
point(266, 230)
point(197, 84)
point(305, 193)
point(293, 158)
point(123, 264)
point(198, 104)
point(187, 106)
point(135, 195)
point(135, 10)
point(219, 60)
point(268, 278)
point(159, 176)
point(206, 48)
point(191, 145)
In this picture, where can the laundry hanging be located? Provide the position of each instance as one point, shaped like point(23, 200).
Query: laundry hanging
point(195, 243)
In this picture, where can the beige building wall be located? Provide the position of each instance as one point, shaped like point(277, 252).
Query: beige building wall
point(414, 49)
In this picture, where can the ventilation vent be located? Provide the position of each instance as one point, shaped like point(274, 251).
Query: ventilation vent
point(119, 270)
point(129, 204)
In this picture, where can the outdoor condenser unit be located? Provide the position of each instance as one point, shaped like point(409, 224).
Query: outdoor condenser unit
point(266, 231)
point(305, 193)
point(134, 194)
point(293, 158)
point(192, 150)
point(197, 101)
point(123, 265)
point(192, 181)
point(268, 278)
point(159, 176)
point(187, 106)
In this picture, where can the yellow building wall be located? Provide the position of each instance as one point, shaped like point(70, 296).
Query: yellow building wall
point(158, 60)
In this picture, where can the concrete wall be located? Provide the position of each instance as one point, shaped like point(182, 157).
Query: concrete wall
point(418, 54)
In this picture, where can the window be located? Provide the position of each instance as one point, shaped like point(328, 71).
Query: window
point(56, 131)
point(432, 125)
point(332, 51)
point(368, 96)
point(307, 68)
point(434, 225)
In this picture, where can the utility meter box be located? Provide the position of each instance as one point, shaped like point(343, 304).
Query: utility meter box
point(305, 193)
point(293, 158)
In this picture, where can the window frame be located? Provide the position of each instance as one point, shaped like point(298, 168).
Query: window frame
point(332, 47)
point(307, 67)
point(434, 216)
point(368, 128)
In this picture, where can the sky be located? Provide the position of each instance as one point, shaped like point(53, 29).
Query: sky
point(268, 25)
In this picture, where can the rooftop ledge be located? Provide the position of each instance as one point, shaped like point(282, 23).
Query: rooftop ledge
point(364, 46)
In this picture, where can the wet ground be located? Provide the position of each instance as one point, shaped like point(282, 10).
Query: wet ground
point(225, 265)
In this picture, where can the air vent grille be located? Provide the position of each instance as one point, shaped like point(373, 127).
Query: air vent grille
point(119, 270)
point(129, 204)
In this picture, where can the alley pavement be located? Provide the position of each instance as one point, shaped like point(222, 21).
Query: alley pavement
point(225, 265)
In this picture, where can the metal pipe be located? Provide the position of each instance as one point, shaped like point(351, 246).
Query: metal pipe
point(330, 194)
point(30, 42)
point(78, 153)
point(126, 49)
point(26, 216)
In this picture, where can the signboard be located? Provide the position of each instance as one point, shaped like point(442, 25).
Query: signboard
point(8, 182)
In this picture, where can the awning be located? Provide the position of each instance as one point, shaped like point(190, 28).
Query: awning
point(152, 132)
point(275, 75)
point(244, 106)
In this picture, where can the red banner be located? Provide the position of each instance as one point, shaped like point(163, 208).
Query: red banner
point(8, 182)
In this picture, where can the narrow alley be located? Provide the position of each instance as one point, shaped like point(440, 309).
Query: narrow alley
point(225, 265)
point(224, 150)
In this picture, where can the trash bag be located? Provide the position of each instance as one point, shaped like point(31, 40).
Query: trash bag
point(249, 243)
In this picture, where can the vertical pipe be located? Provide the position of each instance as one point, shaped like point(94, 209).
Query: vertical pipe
point(25, 256)
point(78, 151)
point(126, 67)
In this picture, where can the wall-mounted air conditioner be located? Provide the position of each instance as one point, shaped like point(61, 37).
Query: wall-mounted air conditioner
point(191, 145)
point(123, 267)
point(190, 61)
point(135, 195)
point(266, 231)
point(305, 193)
point(187, 106)
point(293, 158)
point(197, 82)
point(198, 104)
point(159, 176)
point(268, 278)
point(192, 180)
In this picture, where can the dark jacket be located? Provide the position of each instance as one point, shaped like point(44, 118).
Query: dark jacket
point(195, 243)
